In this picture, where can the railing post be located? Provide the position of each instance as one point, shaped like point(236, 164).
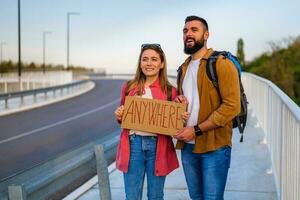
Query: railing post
point(21, 84)
point(34, 97)
point(16, 192)
point(28, 84)
point(22, 101)
point(102, 172)
point(6, 103)
point(5, 86)
point(280, 194)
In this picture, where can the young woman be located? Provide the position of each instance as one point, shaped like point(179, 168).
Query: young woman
point(141, 153)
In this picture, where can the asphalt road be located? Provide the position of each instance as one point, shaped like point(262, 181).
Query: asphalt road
point(35, 136)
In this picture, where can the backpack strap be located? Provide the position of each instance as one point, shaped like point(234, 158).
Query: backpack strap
point(179, 74)
point(211, 70)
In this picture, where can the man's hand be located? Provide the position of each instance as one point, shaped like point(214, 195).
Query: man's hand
point(186, 134)
point(181, 99)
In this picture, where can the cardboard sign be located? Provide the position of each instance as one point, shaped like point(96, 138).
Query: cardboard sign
point(155, 116)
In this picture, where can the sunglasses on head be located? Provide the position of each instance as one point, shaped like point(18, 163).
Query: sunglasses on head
point(150, 45)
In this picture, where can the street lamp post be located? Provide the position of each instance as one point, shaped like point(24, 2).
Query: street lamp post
point(44, 50)
point(19, 37)
point(1, 51)
point(68, 35)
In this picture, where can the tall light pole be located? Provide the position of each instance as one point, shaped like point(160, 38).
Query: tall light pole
point(44, 49)
point(1, 51)
point(68, 35)
point(19, 37)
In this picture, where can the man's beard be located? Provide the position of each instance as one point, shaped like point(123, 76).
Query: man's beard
point(197, 46)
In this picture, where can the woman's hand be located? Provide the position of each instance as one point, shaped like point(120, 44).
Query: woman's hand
point(185, 116)
point(119, 112)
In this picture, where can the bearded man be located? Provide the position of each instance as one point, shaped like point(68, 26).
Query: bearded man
point(205, 142)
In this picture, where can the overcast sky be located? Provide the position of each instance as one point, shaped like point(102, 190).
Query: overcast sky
point(109, 33)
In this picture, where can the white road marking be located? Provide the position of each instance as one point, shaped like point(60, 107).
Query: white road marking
point(60, 122)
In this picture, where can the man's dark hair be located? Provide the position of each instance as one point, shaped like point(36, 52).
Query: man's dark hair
point(200, 19)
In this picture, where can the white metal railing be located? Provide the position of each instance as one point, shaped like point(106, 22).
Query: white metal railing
point(70, 87)
point(279, 117)
point(10, 82)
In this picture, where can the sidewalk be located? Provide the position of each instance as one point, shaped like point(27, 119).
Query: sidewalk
point(249, 178)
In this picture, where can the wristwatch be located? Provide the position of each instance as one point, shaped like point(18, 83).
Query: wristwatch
point(198, 131)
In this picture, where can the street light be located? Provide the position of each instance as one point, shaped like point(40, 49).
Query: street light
point(44, 49)
point(19, 37)
point(1, 51)
point(68, 35)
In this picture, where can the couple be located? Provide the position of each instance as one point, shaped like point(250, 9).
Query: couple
point(205, 142)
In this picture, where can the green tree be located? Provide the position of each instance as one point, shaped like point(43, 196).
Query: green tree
point(281, 65)
point(32, 65)
point(240, 52)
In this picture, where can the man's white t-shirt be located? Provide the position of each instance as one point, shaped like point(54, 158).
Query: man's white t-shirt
point(190, 91)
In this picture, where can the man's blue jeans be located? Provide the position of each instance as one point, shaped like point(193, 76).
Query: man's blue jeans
point(142, 160)
point(206, 173)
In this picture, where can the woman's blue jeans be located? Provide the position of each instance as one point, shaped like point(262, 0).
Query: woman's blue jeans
point(142, 161)
point(206, 173)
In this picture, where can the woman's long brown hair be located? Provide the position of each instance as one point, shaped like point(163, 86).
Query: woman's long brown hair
point(140, 78)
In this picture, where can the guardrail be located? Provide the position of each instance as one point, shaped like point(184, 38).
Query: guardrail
point(49, 178)
point(6, 96)
point(279, 117)
point(11, 82)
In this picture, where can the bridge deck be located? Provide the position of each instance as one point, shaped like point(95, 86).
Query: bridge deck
point(249, 177)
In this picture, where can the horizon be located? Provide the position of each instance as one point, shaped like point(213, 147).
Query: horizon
point(100, 38)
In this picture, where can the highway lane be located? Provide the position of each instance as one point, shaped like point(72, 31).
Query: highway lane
point(32, 137)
